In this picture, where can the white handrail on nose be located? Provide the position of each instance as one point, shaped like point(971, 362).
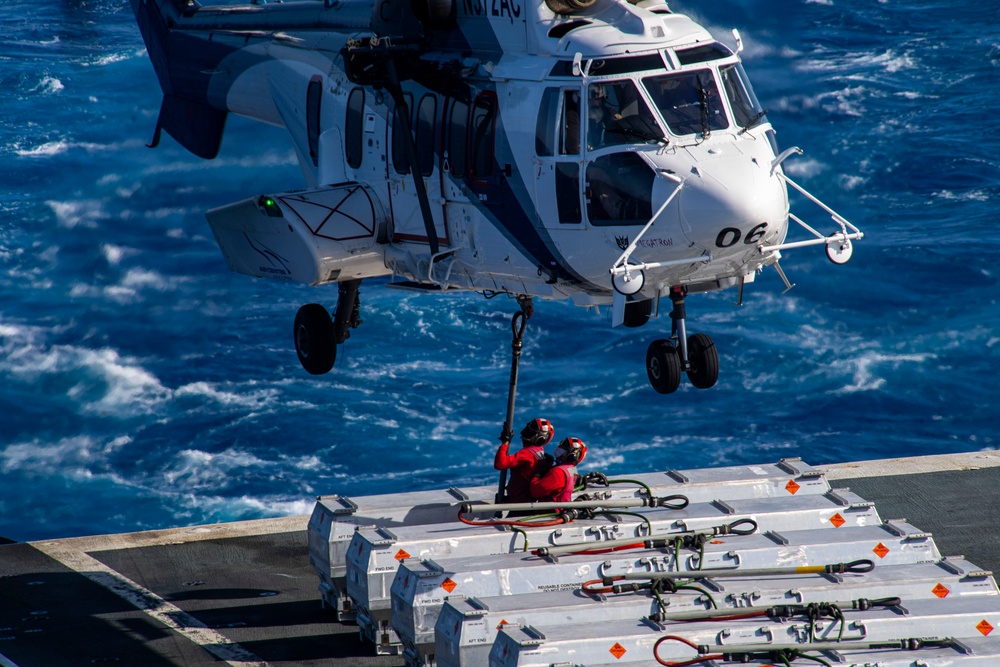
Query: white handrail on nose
point(842, 236)
point(621, 264)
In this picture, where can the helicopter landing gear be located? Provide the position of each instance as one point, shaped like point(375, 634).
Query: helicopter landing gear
point(317, 335)
point(695, 355)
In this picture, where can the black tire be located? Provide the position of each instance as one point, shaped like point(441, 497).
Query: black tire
point(313, 335)
point(663, 366)
point(704, 361)
point(637, 313)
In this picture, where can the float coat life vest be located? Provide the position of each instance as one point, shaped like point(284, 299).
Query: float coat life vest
point(556, 485)
point(523, 465)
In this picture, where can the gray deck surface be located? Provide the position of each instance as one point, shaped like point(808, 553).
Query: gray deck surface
point(960, 507)
point(259, 590)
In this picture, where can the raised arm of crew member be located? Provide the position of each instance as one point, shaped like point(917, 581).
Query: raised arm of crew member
point(558, 483)
point(527, 462)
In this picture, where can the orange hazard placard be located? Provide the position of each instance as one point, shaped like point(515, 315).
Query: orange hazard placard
point(881, 550)
point(401, 554)
point(617, 650)
point(984, 627)
point(837, 520)
point(792, 487)
point(941, 591)
point(448, 584)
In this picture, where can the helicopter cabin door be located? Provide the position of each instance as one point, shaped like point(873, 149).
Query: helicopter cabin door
point(558, 184)
point(408, 222)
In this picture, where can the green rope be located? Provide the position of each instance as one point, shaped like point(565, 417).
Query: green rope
point(524, 534)
point(649, 491)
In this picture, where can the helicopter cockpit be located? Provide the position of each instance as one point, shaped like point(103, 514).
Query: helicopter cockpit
point(632, 105)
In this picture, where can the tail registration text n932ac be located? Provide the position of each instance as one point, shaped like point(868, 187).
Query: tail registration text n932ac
point(608, 152)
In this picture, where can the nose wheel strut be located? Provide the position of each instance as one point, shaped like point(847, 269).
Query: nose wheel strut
point(695, 355)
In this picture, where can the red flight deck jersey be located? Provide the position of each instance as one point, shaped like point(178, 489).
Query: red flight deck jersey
point(523, 465)
point(556, 485)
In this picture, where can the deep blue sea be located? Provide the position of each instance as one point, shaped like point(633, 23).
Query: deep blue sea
point(143, 385)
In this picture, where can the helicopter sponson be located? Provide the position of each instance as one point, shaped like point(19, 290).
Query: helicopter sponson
point(597, 150)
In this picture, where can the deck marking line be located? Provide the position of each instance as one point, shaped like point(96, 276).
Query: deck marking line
point(152, 605)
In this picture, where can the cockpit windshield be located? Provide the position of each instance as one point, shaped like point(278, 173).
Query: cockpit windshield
point(746, 109)
point(688, 101)
point(617, 114)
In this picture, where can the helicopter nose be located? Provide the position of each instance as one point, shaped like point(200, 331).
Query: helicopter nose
point(732, 201)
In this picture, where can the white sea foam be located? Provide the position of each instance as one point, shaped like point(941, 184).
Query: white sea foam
point(132, 284)
point(805, 168)
point(80, 212)
point(77, 456)
point(970, 195)
point(253, 399)
point(851, 182)
point(114, 253)
point(53, 148)
point(47, 149)
point(197, 469)
point(859, 61)
point(48, 86)
point(867, 364)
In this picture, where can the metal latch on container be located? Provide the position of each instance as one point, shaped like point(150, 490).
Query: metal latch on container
point(388, 537)
point(350, 507)
point(724, 506)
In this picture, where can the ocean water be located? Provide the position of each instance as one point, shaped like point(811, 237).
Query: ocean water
point(143, 385)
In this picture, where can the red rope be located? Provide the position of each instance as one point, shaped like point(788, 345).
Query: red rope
point(683, 663)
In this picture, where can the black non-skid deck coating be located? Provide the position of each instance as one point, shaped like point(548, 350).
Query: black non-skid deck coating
point(260, 591)
point(51, 616)
point(961, 508)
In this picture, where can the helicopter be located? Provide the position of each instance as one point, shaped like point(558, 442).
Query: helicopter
point(608, 152)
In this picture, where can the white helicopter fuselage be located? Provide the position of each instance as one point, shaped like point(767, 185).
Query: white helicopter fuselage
point(596, 150)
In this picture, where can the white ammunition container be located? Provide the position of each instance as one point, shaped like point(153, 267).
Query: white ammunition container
point(335, 518)
point(374, 553)
point(467, 627)
point(633, 641)
point(420, 587)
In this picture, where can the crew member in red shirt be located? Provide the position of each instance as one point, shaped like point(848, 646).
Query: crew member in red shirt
point(524, 465)
point(558, 483)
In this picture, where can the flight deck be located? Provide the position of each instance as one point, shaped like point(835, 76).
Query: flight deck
point(246, 594)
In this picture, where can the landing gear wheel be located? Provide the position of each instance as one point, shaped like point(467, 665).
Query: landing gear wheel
point(703, 361)
point(314, 339)
point(663, 366)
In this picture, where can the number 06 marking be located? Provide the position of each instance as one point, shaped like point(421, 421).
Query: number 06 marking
point(730, 236)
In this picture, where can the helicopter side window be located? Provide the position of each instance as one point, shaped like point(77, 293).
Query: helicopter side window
point(568, 192)
point(569, 134)
point(620, 190)
point(546, 123)
point(617, 114)
point(458, 123)
point(426, 115)
point(484, 113)
point(746, 108)
point(399, 158)
point(314, 97)
point(354, 127)
point(689, 101)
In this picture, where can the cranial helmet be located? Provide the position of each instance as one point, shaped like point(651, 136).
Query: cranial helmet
point(571, 450)
point(537, 432)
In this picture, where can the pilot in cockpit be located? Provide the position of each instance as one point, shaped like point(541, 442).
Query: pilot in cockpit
point(600, 116)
